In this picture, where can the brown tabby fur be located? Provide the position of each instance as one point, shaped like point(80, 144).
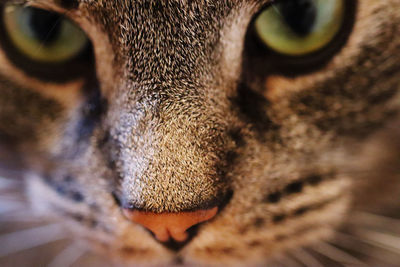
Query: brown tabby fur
point(182, 123)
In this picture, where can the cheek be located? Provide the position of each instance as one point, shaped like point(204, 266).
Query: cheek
point(26, 116)
point(221, 244)
point(67, 94)
point(33, 113)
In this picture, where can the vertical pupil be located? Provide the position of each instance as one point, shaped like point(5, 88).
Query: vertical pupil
point(45, 26)
point(300, 15)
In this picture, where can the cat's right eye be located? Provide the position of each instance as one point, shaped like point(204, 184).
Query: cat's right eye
point(297, 37)
point(300, 27)
point(44, 43)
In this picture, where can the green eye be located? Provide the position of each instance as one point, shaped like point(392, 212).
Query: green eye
point(300, 27)
point(41, 35)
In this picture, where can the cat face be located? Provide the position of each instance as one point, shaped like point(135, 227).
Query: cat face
point(186, 106)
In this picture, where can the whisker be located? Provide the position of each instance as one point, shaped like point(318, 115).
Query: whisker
point(68, 256)
point(366, 171)
point(356, 244)
point(7, 183)
point(43, 44)
point(306, 258)
point(18, 219)
point(19, 215)
point(9, 206)
point(11, 197)
point(386, 241)
point(30, 238)
point(336, 254)
point(374, 220)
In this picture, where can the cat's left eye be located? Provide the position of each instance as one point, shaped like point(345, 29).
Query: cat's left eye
point(42, 35)
point(45, 44)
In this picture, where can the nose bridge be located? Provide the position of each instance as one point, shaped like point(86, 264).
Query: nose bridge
point(173, 168)
point(175, 40)
point(169, 138)
point(173, 124)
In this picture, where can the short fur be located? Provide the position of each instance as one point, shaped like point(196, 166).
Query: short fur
point(177, 122)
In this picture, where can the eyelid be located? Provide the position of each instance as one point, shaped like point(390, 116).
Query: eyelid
point(19, 2)
point(42, 4)
point(275, 2)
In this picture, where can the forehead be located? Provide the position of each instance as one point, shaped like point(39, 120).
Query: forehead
point(138, 13)
point(163, 9)
point(158, 24)
point(169, 8)
point(164, 3)
point(147, 36)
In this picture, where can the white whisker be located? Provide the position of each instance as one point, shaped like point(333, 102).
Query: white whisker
point(9, 206)
point(346, 241)
point(8, 183)
point(277, 10)
point(30, 238)
point(354, 243)
point(18, 219)
point(19, 216)
point(306, 258)
point(374, 220)
point(11, 198)
point(68, 256)
point(336, 254)
point(4, 200)
point(386, 241)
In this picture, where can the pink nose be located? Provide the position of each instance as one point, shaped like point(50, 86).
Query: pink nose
point(166, 225)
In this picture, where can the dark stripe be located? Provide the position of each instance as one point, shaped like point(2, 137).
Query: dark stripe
point(65, 187)
point(301, 231)
point(304, 210)
point(86, 221)
point(69, 4)
point(296, 187)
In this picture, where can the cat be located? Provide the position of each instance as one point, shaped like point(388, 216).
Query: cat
point(202, 133)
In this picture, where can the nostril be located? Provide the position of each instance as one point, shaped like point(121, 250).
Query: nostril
point(170, 225)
